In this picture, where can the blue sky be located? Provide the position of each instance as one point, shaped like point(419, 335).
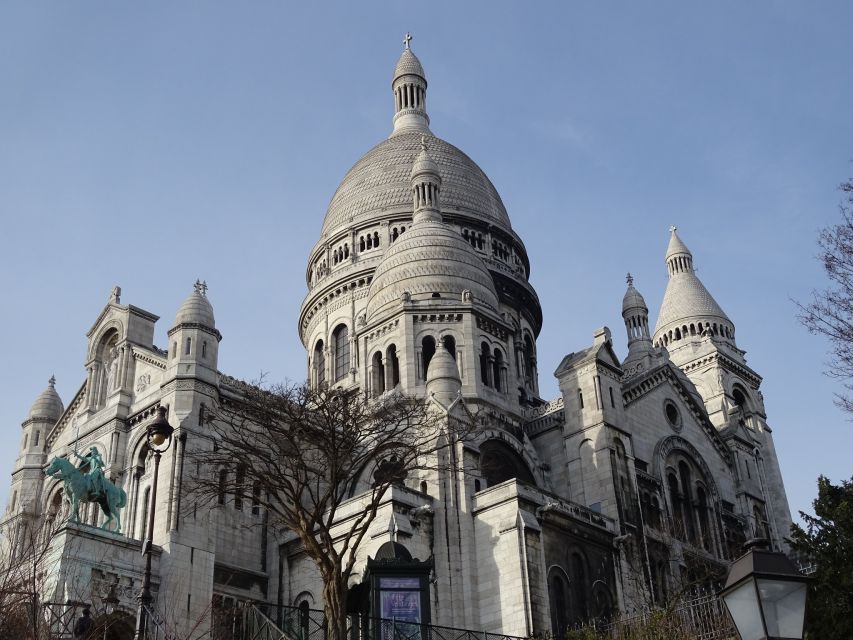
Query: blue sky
point(150, 144)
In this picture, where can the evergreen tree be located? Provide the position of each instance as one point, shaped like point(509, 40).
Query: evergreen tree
point(827, 542)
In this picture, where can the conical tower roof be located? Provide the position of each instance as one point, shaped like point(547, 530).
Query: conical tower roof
point(686, 300)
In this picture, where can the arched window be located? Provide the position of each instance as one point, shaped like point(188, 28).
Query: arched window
point(239, 479)
point(739, 396)
point(361, 244)
point(702, 516)
point(558, 596)
point(375, 239)
point(392, 362)
point(497, 369)
point(319, 364)
point(427, 352)
point(500, 462)
point(675, 502)
point(369, 241)
point(687, 500)
point(529, 357)
point(204, 349)
point(449, 343)
point(485, 365)
point(341, 341)
point(189, 346)
point(378, 374)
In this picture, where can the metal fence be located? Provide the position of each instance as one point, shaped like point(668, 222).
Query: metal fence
point(295, 623)
point(702, 617)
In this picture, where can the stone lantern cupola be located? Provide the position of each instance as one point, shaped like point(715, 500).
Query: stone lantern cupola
point(194, 339)
point(409, 86)
point(27, 474)
point(426, 187)
point(635, 313)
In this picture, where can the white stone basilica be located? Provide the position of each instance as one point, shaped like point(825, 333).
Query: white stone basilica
point(644, 473)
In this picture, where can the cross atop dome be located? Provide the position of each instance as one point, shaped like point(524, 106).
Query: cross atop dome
point(200, 287)
point(673, 228)
point(630, 279)
point(407, 39)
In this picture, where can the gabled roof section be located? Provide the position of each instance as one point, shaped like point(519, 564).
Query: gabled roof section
point(601, 351)
point(667, 373)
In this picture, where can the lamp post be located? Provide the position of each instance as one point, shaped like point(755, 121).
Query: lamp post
point(766, 595)
point(159, 436)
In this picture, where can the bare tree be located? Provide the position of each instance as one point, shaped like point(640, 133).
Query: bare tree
point(830, 313)
point(300, 453)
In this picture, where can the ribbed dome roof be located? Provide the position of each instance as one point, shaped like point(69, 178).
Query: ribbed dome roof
point(379, 184)
point(430, 258)
point(633, 299)
point(686, 297)
point(48, 405)
point(408, 64)
point(196, 309)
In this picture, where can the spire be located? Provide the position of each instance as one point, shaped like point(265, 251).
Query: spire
point(688, 310)
point(635, 313)
point(409, 87)
point(678, 256)
point(426, 187)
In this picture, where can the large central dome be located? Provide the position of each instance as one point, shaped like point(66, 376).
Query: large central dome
point(379, 185)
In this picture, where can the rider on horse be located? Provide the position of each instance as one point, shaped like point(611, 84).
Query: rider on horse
point(95, 475)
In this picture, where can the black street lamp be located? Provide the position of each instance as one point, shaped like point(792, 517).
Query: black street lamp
point(766, 596)
point(159, 436)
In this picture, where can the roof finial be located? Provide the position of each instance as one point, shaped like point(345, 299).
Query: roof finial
point(201, 287)
point(115, 295)
point(407, 39)
point(423, 143)
point(630, 279)
point(52, 381)
point(672, 228)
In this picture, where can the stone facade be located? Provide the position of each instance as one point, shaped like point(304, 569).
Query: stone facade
point(642, 478)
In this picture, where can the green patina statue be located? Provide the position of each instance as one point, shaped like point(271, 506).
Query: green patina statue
point(91, 486)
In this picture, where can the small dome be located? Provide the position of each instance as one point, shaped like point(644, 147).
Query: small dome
point(196, 309)
point(391, 551)
point(430, 261)
point(408, 65)
point(48, 405)
point(443, 374)
point(633, 299)
point(424, 164)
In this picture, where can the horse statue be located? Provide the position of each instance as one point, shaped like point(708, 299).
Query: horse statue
point(91, 487)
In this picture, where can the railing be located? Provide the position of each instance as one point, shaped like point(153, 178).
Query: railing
point(294, 623)
point(155, 627)
point(703, 617)
point(258, 626)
